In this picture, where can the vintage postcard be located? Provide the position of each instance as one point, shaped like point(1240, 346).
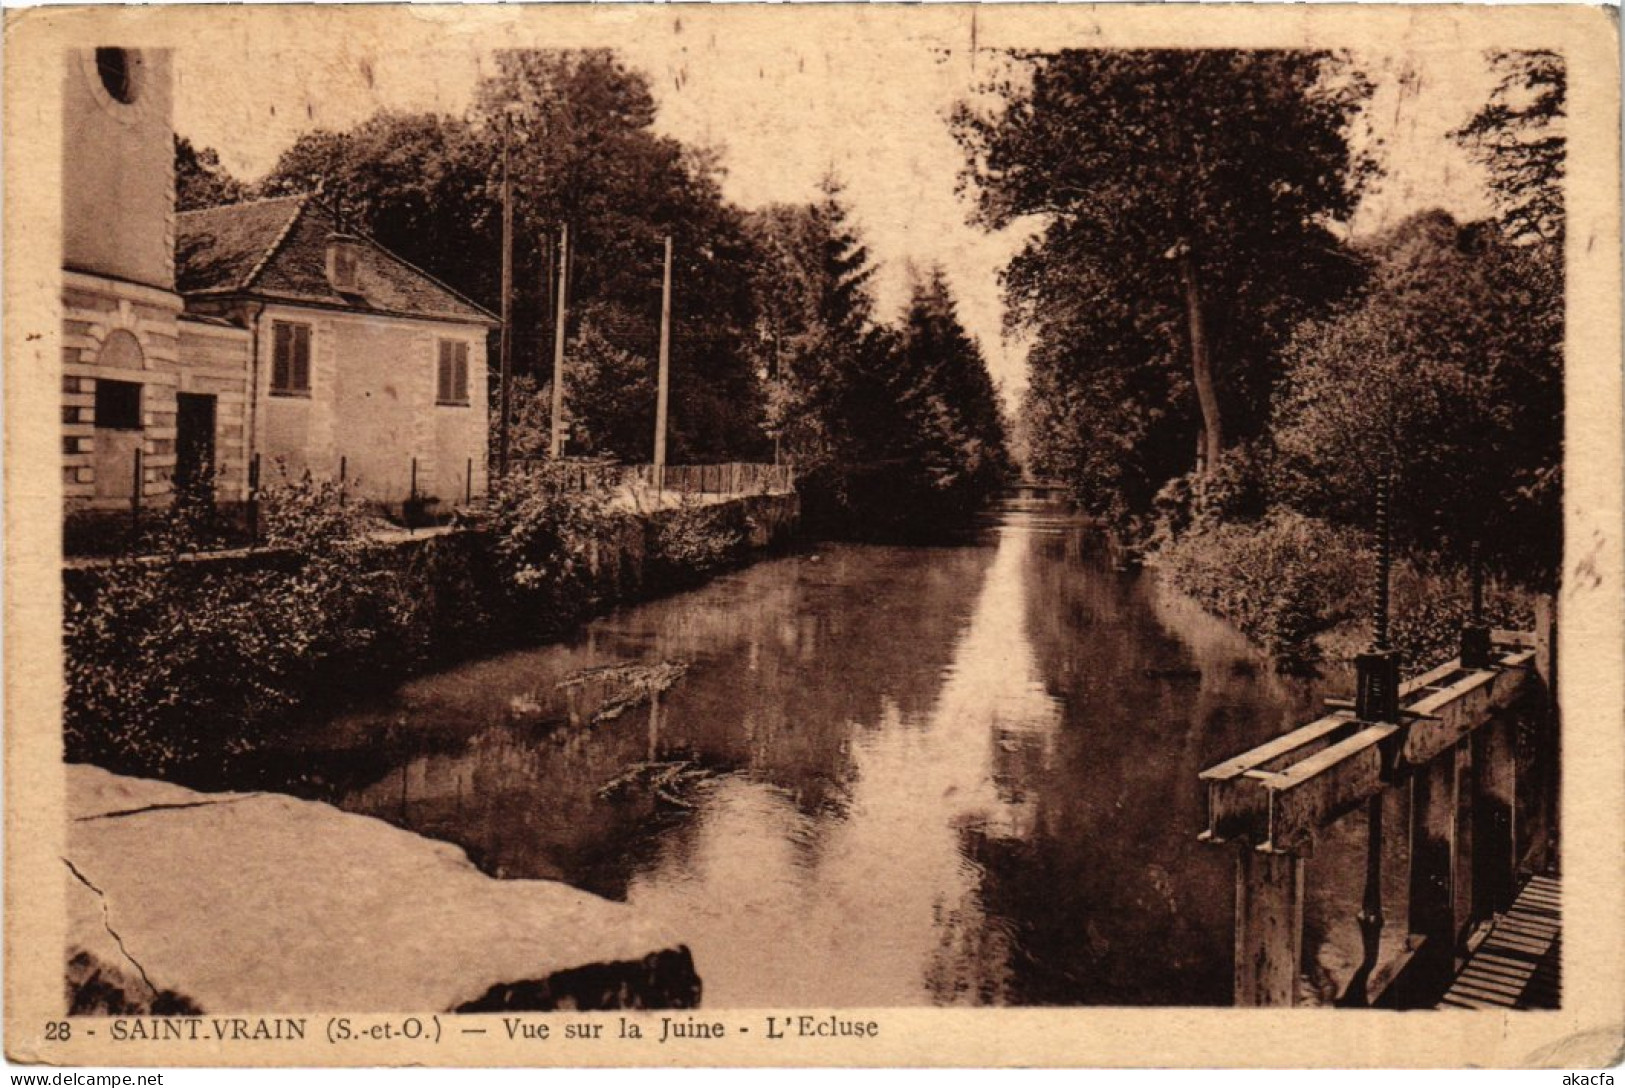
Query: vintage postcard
point(813, 535)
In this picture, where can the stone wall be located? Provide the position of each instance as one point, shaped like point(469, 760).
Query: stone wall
point(101, 319)
point(215, 362)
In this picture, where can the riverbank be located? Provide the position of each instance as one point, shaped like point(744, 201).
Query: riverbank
point(1304, 589)
point(180, 659)
point(184, 903)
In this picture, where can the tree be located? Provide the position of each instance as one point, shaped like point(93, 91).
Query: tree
point(582, 153)
point(819, 347)
point(1448, 368)
point(200, 180)
point(585, 153)
point(947, 454)
point(1518, 136)
point(1183, 200)
point(612, 395)
point(419, 183)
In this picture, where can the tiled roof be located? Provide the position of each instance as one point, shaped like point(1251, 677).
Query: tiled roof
point(277, 249)
point(220, 249)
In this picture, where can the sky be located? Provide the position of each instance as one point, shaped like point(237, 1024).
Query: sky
point(784, 109)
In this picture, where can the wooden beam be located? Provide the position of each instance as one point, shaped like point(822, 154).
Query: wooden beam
point(1433, 869)
point(1463, 914)
point(1236, 804)
point(1281, 792)
point(1499, 636)
point(1495, 804)
point(1269, 928)
point(1311, 794)
point(1463, 706)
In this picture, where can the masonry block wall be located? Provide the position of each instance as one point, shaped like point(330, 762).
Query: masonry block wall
point(118, 332)
point(215, 363)
point(128, 355)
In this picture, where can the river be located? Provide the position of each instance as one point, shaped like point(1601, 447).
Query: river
point(963, 774)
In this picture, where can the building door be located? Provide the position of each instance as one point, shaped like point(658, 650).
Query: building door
point(194, 443)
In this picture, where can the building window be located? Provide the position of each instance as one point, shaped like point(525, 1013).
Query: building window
point(117, 70)
point(290, 359)
point(118, 405)
point(453, 373)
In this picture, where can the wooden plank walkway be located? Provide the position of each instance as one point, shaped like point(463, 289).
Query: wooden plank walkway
point(1516, 965)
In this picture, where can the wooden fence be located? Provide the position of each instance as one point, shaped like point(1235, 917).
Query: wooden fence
point(575, 475)
point(729, 478)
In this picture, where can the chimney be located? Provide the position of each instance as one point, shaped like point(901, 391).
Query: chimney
point(343, 258)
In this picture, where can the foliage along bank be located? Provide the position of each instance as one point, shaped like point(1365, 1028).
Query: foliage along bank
point(174, 663)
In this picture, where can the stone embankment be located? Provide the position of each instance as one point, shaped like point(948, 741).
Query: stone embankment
point(183, 902)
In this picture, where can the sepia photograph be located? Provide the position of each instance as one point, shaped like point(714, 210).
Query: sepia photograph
point(721, 536)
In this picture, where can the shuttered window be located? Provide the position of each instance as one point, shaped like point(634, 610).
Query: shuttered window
point(452, 387)
point(290, 367)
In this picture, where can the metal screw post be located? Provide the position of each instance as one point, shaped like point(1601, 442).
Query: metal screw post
point(1377, 671)
point(1385, 562)
point(1476, 650)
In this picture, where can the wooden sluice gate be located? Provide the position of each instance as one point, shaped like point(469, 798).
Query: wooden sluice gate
point(1436, 773)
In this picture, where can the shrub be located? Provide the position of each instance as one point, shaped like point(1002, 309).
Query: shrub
point(1281, 579)
point(168, 662)
point(1431, 603)
point(694, 540)
point(1286, 579)
point(544, 535)
point(171, 663)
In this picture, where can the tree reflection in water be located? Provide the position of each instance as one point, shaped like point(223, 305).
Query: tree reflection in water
point(890, 776)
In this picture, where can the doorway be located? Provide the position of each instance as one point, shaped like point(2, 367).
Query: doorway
point(194, 445)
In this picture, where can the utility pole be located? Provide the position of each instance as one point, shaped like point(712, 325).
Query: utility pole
point(556, 446)
point(507, 305)
point(665, 372)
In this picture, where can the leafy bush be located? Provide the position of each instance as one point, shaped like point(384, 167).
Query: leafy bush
point(1450, 366)
point(1282, 579)
point(544, 536)
point(1287, 579)
point(695, 540)
point(1236, 490)
point(1432, 602)
point(170, 661)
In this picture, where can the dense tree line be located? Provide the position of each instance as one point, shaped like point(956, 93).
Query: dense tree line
point(776, 349)
point(1184, 198)
point(582, 154)
point(896, 429)
point(1210, 343)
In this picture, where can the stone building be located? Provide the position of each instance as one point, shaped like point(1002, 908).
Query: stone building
point(360, 364)
point(193, 341)
point(151, 394)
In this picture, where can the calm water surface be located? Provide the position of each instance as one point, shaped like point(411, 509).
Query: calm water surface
point(890, 776)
